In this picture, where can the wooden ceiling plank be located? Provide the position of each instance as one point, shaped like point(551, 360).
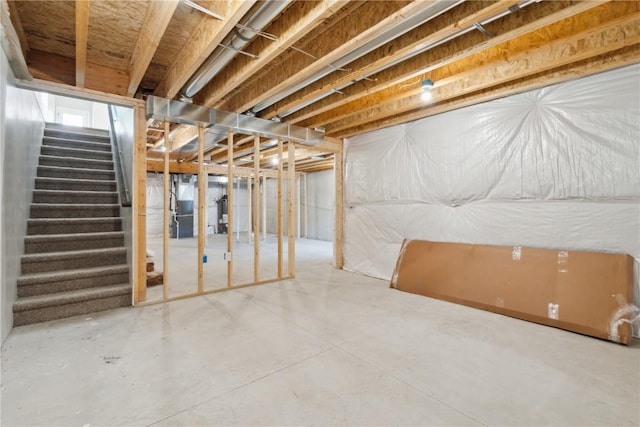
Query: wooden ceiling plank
point(329, 47)
point(82, 33)
point(440, 27)
point(596, 41)
point(156, 21)
point(511, 26)
point(609, 61)
point(17, 26)
point(299, 20)
point(203, 41)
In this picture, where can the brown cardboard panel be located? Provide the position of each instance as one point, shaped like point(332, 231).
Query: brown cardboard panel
point(573, 290)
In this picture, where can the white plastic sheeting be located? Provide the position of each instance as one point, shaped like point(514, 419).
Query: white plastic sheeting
point(557, 167)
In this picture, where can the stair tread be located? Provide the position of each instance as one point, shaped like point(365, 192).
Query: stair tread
point(70, 254)
point(77, 150)
point(37, 278)
point(68, 297)
point(67, 220)
point(67, 168)
point(75, 159)
point(74, 236)
point(75, 205)
point(77, 130)
point(78, 192)
point(75, 180)
point(57, 138)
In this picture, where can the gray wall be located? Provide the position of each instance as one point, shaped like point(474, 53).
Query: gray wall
point(21, 128)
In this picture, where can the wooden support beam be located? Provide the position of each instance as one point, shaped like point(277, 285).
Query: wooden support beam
point(611, 60)
point(206, 37)
point(140, 205)
point(279, 210)
point(156, 165)
point(11, 45)
point(229, 258)
point(445, 25)
point(299, 20)
point(201, 215)
point(156, 21)
point(256, 210)
point(339, 213)
point(17, 28)
point(165, 221)
point(291, 187)
point(82, 32)
point(530, 20)
point(461, 78)
point(373, 17)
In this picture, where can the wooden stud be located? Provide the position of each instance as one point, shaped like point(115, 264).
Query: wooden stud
point(339, 213)
point(256, 209)
point(82, 32)
point(165, 218)
point(140, 205)
point(291, 187)
point(156, 21)
point(209, 34)
point(230, 206)
point(279, 210)
point(201, 198)
point(154, 165)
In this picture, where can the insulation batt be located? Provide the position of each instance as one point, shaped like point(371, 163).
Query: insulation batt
point(557, 167)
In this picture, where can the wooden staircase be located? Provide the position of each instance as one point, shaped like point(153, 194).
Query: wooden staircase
point(75, 260)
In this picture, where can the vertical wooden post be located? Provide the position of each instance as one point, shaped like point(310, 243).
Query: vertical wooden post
point(140, 205)
point(279, 211)
point(291, 187)
point(256, 211)
point(264, 207)
point(339, 214)
point(201, 197)
point(230, 206)
point(165, 217)
point(249, 211)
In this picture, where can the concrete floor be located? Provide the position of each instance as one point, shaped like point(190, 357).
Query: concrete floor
point(328, 348)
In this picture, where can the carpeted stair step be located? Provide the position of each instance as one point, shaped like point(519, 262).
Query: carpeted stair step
point(57, 261)
point(51, 141)
point(49, 210)
point(74, 197)
point(66, 162)
point(37, 226)
point(75, 153)
point(75, 173)
point(42, 308)
point(43, 243)
point(81, 134)
point(75, 184)
point(69, 280)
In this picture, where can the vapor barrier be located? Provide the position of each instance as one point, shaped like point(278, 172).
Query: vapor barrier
point(557, 167)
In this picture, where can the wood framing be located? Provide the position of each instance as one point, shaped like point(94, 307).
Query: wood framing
point(155, 23)
point(204, 40)
point(339, 212)
point(11, 45)
point(139, 206)
point(201, 213)
point(82, 31)
point(230, 196)
point(279, 210)
point(165, 220)
point(256, 210)
point(17, 28)
point(291, 189)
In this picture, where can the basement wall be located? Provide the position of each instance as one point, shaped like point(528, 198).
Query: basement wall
point(320, 205)
point(21, 130)
point(557, 167)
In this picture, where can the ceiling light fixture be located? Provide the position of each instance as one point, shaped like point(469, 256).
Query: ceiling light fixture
point(427, 87)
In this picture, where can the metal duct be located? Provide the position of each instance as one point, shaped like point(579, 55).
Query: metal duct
point(234, 42)
point(404, 26)
point(220, 121)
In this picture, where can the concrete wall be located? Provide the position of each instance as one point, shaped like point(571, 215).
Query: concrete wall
point(21, 129)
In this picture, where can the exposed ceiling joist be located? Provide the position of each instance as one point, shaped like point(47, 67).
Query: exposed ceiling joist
point(19, 30)
point(203, 41)
point(155, 23)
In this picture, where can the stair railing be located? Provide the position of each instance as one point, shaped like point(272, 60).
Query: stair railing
point(123, 182)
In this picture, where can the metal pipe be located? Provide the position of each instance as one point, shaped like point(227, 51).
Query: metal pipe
point(234, 42)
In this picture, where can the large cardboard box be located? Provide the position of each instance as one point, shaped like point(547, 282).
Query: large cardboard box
point(585, 292)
